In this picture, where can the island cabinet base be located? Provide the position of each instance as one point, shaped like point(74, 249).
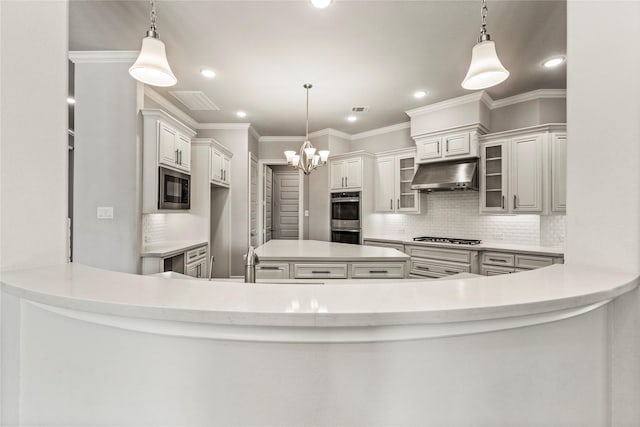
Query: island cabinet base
point(331, 270)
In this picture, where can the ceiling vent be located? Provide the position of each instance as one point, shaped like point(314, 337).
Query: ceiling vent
point(359, 109)
point(194, 100)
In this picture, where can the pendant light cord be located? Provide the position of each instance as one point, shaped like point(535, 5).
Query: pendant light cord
point(484, 11)
point(307, 86)
point(153, 16)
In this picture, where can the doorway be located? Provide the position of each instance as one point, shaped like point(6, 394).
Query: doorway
point(281, 201)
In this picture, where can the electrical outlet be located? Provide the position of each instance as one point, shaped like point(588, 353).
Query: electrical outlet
point(306, 212)
point(147, 239)
point(105, 212)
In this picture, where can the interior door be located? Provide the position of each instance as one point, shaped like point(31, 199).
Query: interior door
point(268, 202)
point(285, 205)
point(253, 203)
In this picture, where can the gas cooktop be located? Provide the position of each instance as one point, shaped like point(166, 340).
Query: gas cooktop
point(447, 240)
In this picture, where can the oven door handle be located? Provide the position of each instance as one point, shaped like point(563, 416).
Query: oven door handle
point(345, 200)
point(350, 230)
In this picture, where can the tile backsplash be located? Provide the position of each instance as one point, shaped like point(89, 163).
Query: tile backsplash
point(154, 228)
point(455, 214)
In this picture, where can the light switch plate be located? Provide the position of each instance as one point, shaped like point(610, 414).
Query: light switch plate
point(306, 212)
point(105, 212)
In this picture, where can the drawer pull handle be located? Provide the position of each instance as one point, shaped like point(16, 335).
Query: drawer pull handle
point(268, 267)
point(497, 260)
point(419, 267)
point(451, 272)
point(378, 271)
point(320, 272)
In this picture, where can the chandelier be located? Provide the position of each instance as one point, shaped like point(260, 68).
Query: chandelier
point(307, 160)
point(485, 69)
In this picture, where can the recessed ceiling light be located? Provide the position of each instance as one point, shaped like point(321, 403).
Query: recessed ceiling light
point(208, 73)
point(554, 62)
point(321, 4)
point(70, 100)
point(420, 94)
point(352, 118)
point(241, 114)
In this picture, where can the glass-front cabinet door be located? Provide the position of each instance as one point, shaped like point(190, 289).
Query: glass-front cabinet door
point(407, 200)
point(493, 177)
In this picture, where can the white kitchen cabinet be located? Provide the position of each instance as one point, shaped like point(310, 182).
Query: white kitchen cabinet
point(380, 270)
point(272, 271)
point(393, 183)
point(196, 262)
point(435, 262)
point(346, 174)
point(494, 177)
point(517, 173)
point(559, 172)
point(174, 148)
point(320, 271)
point(220, 165)
point(526, 175)
point(166, 142)
point(447, 145)
point(495, 263)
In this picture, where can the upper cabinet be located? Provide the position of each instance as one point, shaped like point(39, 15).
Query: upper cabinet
point(394, 173)
point(174, 147)
point(520, 173)
point(559, 172)
point(166, 143)
point(346, 173)
point(448, 145)
point(220, 165)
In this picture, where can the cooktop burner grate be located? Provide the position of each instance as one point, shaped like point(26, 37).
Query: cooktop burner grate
point(447, 240)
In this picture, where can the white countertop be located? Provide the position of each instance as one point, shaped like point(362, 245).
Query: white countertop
point(172, 247)
point(355, 303)
point(484, 246)
point(314, 250)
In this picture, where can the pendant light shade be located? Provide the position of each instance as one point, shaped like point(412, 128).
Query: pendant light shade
point(152, 67)
point(485, 70)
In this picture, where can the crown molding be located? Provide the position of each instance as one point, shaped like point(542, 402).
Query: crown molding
point(529, 96)
point(170, 107)
point(453, 102)
point(161, 114)
point(103, 56)
point(224, 126)
point(546, 127)
point(281, 139)
point(381, 131)
point(253, 132)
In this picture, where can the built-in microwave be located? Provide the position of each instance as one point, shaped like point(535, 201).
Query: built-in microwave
point(174, 189)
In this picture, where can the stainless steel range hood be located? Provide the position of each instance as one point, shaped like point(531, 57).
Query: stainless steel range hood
point(446, 176)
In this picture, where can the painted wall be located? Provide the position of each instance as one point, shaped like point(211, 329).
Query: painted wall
point(529, 113)
point(237, 141)
point(33, 133)
point(458, 115)
point(108, 165)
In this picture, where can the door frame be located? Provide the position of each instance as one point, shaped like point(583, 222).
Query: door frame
point(277, 162)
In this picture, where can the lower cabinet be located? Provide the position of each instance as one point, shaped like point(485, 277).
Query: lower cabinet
point(434, 262)
point(196, 262)
point(495, 263)
point(338, 270)
point(378, 270)
point(272, 271)
point(320, 271)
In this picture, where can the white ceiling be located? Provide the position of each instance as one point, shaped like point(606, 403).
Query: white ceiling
point(371, 53)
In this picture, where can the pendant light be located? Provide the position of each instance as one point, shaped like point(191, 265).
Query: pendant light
point(485, 70)
point(152, 66)
point(307, 160)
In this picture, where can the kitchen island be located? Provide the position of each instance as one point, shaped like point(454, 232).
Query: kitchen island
point(313, 259)
point(79, 342)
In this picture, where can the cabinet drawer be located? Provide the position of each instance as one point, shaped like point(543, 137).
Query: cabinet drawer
point(495, 270)
point(455, 255)
point(379, 270)
point(272, 271)
point(398, 246)
point(437, 269)
point(532, 261)
point(195, 254)
point(320, 271)
point(497, 258)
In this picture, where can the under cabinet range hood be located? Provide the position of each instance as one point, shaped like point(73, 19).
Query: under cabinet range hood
point(446, 176)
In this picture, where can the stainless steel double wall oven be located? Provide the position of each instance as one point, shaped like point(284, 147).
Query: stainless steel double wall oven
point(346, 216)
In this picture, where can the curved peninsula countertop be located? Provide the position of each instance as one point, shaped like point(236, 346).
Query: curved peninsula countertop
point(536, 296)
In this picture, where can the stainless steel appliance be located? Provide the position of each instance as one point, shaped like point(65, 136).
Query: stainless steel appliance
point(346, 213)
point(448, 175)
point(174, 189)
point(174, 263)
point(448, 240)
